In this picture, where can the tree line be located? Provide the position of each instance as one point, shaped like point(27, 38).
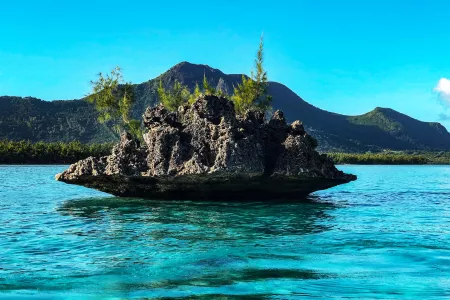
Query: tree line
point(378, 158)
point(26, 152)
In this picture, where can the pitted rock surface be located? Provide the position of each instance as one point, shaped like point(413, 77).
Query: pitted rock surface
point(208, 139)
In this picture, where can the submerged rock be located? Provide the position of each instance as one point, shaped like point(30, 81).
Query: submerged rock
point(203, 151)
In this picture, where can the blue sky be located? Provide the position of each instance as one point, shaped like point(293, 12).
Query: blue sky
point(344, 56)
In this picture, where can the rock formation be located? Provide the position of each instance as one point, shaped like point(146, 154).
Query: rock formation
point(203, 151)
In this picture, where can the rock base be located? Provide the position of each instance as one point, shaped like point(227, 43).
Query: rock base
point(209, 188)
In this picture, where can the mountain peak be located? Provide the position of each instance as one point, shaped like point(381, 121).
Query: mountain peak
point(186, 67)
point(384, 110)
point(191, 74)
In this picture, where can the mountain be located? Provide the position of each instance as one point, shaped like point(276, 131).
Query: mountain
point(382, 128)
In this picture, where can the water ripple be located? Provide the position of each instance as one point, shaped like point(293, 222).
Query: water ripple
point(384, 236)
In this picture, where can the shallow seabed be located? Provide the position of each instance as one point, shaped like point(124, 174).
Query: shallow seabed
point(384, 236)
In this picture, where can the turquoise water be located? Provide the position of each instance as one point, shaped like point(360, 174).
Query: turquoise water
point(384, 236)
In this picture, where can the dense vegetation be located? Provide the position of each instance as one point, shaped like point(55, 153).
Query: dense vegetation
point(377, 159)
point(433, 157)
point(51, 121)
point(392, 158)
point(25, 152)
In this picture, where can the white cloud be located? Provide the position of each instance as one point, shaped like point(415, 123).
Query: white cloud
point(443, 88)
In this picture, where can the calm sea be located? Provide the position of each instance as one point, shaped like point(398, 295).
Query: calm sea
point(385, 236)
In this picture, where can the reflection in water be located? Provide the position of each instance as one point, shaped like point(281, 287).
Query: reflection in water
point(170, 245)
point(259, 218)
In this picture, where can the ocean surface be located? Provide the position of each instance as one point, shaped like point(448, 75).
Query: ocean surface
point(385, 236)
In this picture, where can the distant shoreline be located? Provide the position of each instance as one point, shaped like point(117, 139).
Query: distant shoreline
point(392, 158)
point(61, 153)
point(41, 153)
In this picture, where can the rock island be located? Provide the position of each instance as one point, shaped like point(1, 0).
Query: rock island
point(204, 151)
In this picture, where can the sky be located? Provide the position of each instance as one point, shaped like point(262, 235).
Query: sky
point(346, 56)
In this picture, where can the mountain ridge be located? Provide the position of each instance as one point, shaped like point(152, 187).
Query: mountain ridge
point(381, 128)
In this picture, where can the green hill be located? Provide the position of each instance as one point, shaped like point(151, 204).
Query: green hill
point(382, 128)
point(405, 128)
point(50, 121)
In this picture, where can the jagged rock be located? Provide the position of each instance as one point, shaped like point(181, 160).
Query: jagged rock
point(203, 151)
point(297, 128)
point(127, 158)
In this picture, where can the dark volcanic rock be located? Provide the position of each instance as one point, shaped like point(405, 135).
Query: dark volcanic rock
point(203, 151)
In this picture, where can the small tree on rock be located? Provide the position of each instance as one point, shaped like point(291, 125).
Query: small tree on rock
point(194, 96)
point(113, 99)
point(252, 92)
point(207, 89)
point(175, 97)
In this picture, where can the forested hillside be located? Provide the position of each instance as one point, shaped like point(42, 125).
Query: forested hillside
point(36, 120)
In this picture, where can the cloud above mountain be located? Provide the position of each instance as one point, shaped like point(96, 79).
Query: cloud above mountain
point(443, 89)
